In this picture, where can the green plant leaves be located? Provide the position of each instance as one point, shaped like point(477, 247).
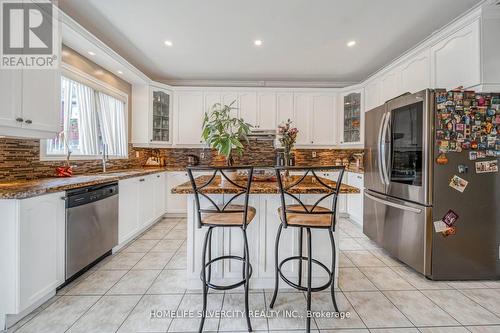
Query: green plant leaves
point(223, 132)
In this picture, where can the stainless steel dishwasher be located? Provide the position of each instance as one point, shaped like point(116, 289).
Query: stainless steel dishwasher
point(91, 225)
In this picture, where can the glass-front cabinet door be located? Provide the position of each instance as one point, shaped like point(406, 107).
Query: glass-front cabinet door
point(351, 131)
point(161, 113)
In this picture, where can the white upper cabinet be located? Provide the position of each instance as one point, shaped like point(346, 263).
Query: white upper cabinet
point(231, 97)
point(248, 108)
point(415, 73)
point(391, 85)
point(30, 103)
point(189, 113)
point(284, 107)
point(266, 109)
point(323, 120)
point(456, 60)
point(351, 118)
point(10, 98)
point(301, 118)
point(151, 115)
point(372, 95)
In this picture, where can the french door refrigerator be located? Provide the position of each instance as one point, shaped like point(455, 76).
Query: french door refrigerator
point(407, 189)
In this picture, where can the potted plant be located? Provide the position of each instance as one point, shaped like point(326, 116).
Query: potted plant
point(287, 138)
point(223, 132)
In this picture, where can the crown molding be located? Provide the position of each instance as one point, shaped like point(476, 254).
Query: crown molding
point(257, 84)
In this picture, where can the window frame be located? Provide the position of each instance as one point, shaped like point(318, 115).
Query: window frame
point(76, 74)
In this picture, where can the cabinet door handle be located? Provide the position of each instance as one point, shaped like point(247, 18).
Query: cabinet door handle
point(359, 177)
point(142, 179)
point(19, 120)
point(28, 121)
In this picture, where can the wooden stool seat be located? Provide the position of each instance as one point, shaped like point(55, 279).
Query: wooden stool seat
point(304, 218)
point(227, 218)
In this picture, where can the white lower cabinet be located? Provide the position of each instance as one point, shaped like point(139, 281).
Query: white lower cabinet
point(355, 201)
point(141, 202)
point(176, 203)
point(31, 252)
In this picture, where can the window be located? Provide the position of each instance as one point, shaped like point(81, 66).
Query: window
point(91, 119)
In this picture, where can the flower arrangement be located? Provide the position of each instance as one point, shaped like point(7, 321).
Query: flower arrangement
point(287, 136)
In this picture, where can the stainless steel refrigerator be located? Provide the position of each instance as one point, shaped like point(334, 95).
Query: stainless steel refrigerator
point(407, 190)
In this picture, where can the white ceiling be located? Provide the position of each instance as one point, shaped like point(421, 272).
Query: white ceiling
point(303, 40)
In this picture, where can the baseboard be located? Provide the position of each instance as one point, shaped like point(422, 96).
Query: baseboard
point(12, 319)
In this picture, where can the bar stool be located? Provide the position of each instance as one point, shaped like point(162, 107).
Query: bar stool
point(228, 215)
point(302, 216)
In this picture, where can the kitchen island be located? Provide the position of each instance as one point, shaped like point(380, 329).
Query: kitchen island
point(261, 233)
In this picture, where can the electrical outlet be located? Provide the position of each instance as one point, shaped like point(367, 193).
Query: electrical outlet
point(202, 155)
point(313, 154)
point(137, 154)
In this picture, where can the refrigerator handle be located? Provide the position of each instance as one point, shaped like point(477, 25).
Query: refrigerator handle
point(387, 130)
point(393, 204)
point(383, 149)
point(381, 155)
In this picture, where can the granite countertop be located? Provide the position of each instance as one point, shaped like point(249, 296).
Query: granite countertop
point(308, 186)
point(22, 189)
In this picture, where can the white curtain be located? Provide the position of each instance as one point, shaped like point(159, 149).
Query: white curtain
point(87, 126)
point(111, 113)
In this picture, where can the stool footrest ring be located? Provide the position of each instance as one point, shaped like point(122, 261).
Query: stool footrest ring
point(231, 286)
point(300, 287)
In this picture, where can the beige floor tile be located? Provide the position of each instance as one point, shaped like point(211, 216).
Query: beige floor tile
point(348, 318)
point(385, 278)
point(349, 244)
point(167, 245)
point(367, 244)
point(488, 298)
point(194, 304)
point(456, 329)
point(463, 309)
point(376, 310)
point(420, 310)
point(484, 329)
point(357, 330)
point(59, 316)
point(177, 234)
point(98, 283)
point(141, 320)
point(155, 234)
point(288, 302)
point(141, 245)
point(386, 258)
point(178, 261)
point(106, 315)
point(352, 279)
point(169, 282)
point(154, 260)
point(236, 303)
point(492, 284)
point(122, 261)
point(418, 280)
point(467, 284)
point(135, 282)
point(395, 330)
point(344, 261)
point(364, 259)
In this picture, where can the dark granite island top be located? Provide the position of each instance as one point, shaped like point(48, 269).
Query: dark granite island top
point(308, 186)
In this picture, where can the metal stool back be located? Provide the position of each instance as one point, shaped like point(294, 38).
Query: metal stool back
point(307, 217)
point(225, 215)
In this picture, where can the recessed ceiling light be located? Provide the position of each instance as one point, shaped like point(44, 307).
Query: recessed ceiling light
point(258, 42)
point(92, 53)
point(120, 72)
point(351, 43)
point(168, 43)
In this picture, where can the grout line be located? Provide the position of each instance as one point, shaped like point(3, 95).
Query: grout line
point(176, 309)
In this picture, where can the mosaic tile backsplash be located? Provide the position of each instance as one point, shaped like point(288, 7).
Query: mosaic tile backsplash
point(20, 158)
